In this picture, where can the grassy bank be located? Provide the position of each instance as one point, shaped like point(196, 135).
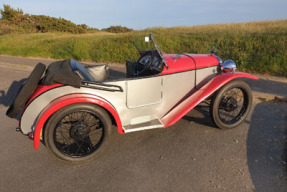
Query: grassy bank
point(255, 46)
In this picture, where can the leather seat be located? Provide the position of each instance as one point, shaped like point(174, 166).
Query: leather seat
point(79, 69)
point(90, 73)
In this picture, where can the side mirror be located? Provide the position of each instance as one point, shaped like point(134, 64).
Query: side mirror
point(147, 39)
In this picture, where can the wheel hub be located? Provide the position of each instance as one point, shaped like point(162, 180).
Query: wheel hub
point(230, 104)
point(79, 131)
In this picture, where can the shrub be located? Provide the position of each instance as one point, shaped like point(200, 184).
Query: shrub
point(38, 23)
point(117, 29)
point(6, 29)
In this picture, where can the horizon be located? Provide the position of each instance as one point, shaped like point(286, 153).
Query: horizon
point(129, 14)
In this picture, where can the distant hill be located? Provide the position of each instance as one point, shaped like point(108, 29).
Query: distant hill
point(13, 20)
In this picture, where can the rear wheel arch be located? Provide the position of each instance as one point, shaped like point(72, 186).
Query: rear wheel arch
point(85, 137)
point(60, 103)
point(108, 112)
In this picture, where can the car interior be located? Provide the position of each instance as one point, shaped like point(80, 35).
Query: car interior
point(148, 64)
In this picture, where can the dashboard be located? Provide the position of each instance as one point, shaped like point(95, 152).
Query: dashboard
point(150, 63)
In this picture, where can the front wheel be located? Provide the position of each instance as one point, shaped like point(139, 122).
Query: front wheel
point(231, 104)
point(78, 132)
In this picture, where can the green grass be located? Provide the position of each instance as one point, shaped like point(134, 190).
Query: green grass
point(255, 46)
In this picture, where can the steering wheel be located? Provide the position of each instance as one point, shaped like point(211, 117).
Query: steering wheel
point(144, 63)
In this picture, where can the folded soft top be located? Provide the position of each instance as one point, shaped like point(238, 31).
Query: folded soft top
point(71, 72)
point(61, 72)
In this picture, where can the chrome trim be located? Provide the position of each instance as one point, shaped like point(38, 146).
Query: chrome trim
point(101, 86)
point(229, 66)
point(219, 59)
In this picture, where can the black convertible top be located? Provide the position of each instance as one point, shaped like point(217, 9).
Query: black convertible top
point(61, 72)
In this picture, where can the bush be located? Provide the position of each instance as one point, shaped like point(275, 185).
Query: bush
point(38, 23)
point(6, 29)
point(117, 29)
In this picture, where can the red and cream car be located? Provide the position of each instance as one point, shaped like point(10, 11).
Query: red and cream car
point(73, 107)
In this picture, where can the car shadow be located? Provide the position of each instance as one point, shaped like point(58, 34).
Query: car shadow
point(267, 147)
point(268, 86)
point(203, 110)
point(7, 97)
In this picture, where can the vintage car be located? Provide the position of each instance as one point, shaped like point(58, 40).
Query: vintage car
point(73, 108)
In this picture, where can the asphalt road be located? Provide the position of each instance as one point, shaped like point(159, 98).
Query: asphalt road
point(191, 155)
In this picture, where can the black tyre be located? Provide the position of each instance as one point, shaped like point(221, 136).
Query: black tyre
point(26, 90)
point(231, 104)
point(78, 132)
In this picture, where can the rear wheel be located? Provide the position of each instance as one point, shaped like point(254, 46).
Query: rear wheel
point(231, 105)
point(78, 132)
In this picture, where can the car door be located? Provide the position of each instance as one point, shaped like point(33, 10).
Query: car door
point(144, 91)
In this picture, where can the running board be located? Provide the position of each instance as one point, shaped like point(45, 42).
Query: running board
point(156, 123)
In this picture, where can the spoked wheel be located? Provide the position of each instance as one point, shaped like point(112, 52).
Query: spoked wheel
point(78, 132)
point(231, 104)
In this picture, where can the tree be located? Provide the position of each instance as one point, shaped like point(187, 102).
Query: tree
point(8, 13)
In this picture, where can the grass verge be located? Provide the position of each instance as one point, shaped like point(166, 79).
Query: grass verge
point(254, 46)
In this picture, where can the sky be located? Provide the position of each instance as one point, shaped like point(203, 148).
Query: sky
point(143, 14)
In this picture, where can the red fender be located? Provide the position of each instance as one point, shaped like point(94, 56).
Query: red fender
point(194, 99)
point(38, 91)
point(68, 100)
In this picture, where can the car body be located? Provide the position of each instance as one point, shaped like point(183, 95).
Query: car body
point(158, 91)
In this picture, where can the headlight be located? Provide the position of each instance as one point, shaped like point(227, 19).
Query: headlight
point(229, 66)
